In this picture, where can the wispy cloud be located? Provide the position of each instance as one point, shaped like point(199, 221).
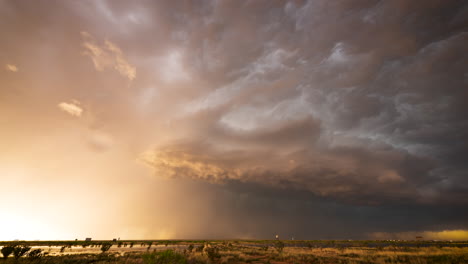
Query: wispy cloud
point(256, 108)
point(72, 108)
point(173, 68)
point(108, 55)
point(100, 141)
point(11, 67)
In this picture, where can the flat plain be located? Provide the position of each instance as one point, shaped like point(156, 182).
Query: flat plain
point(234, 251)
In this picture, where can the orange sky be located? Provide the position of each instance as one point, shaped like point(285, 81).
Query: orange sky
point(233, 119)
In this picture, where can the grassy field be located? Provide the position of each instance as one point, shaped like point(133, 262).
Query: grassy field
point(230, 251)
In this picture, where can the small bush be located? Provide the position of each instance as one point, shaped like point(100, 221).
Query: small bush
point(105, 247)
point(213, 253)
point(6, 251)
point(200, 248)
point(164, 257)
point(190, 248)
point(20, 250)
point(279, 246)
point(36, 254)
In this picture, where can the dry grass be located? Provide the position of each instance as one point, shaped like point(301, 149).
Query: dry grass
point(249, 253)
point(383, 255)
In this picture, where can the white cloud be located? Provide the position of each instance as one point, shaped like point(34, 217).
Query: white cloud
point(11, 67)
point(251, 118)
point(338, 54)
point(271, 62)
point(172, 68)
point(108, 55)
point(72, 108)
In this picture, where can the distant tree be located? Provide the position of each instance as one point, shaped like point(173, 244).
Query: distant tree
point(105, 247)
point(36, 254)
point(20, 250)
point(190, 248)
point(6, 251)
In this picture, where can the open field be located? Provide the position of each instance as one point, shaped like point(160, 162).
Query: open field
point(235, 251)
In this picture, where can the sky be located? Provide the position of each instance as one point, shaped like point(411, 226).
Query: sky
point(226, 119)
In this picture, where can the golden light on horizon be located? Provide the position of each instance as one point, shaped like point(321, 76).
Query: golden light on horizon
point(24, 226)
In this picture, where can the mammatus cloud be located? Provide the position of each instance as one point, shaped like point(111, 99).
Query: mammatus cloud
point(11, 67)
point(433, 235)
point(72, 108)
point(108, 55)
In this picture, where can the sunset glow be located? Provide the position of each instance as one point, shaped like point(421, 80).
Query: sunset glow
point(223, 119)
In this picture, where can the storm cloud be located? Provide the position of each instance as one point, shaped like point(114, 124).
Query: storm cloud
point(289, 113)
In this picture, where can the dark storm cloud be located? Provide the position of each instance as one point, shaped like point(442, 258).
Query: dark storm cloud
point(298, 112)
point(351, 99)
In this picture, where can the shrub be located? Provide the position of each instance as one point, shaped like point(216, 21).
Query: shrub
point(200, 248)
point(6, 251)
point(279, 245)
point(20, 250)
point(213, 253)
point(62, 249)
point(36, 254)
point(190, 248)
point(164, 257)
point(105, 247)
